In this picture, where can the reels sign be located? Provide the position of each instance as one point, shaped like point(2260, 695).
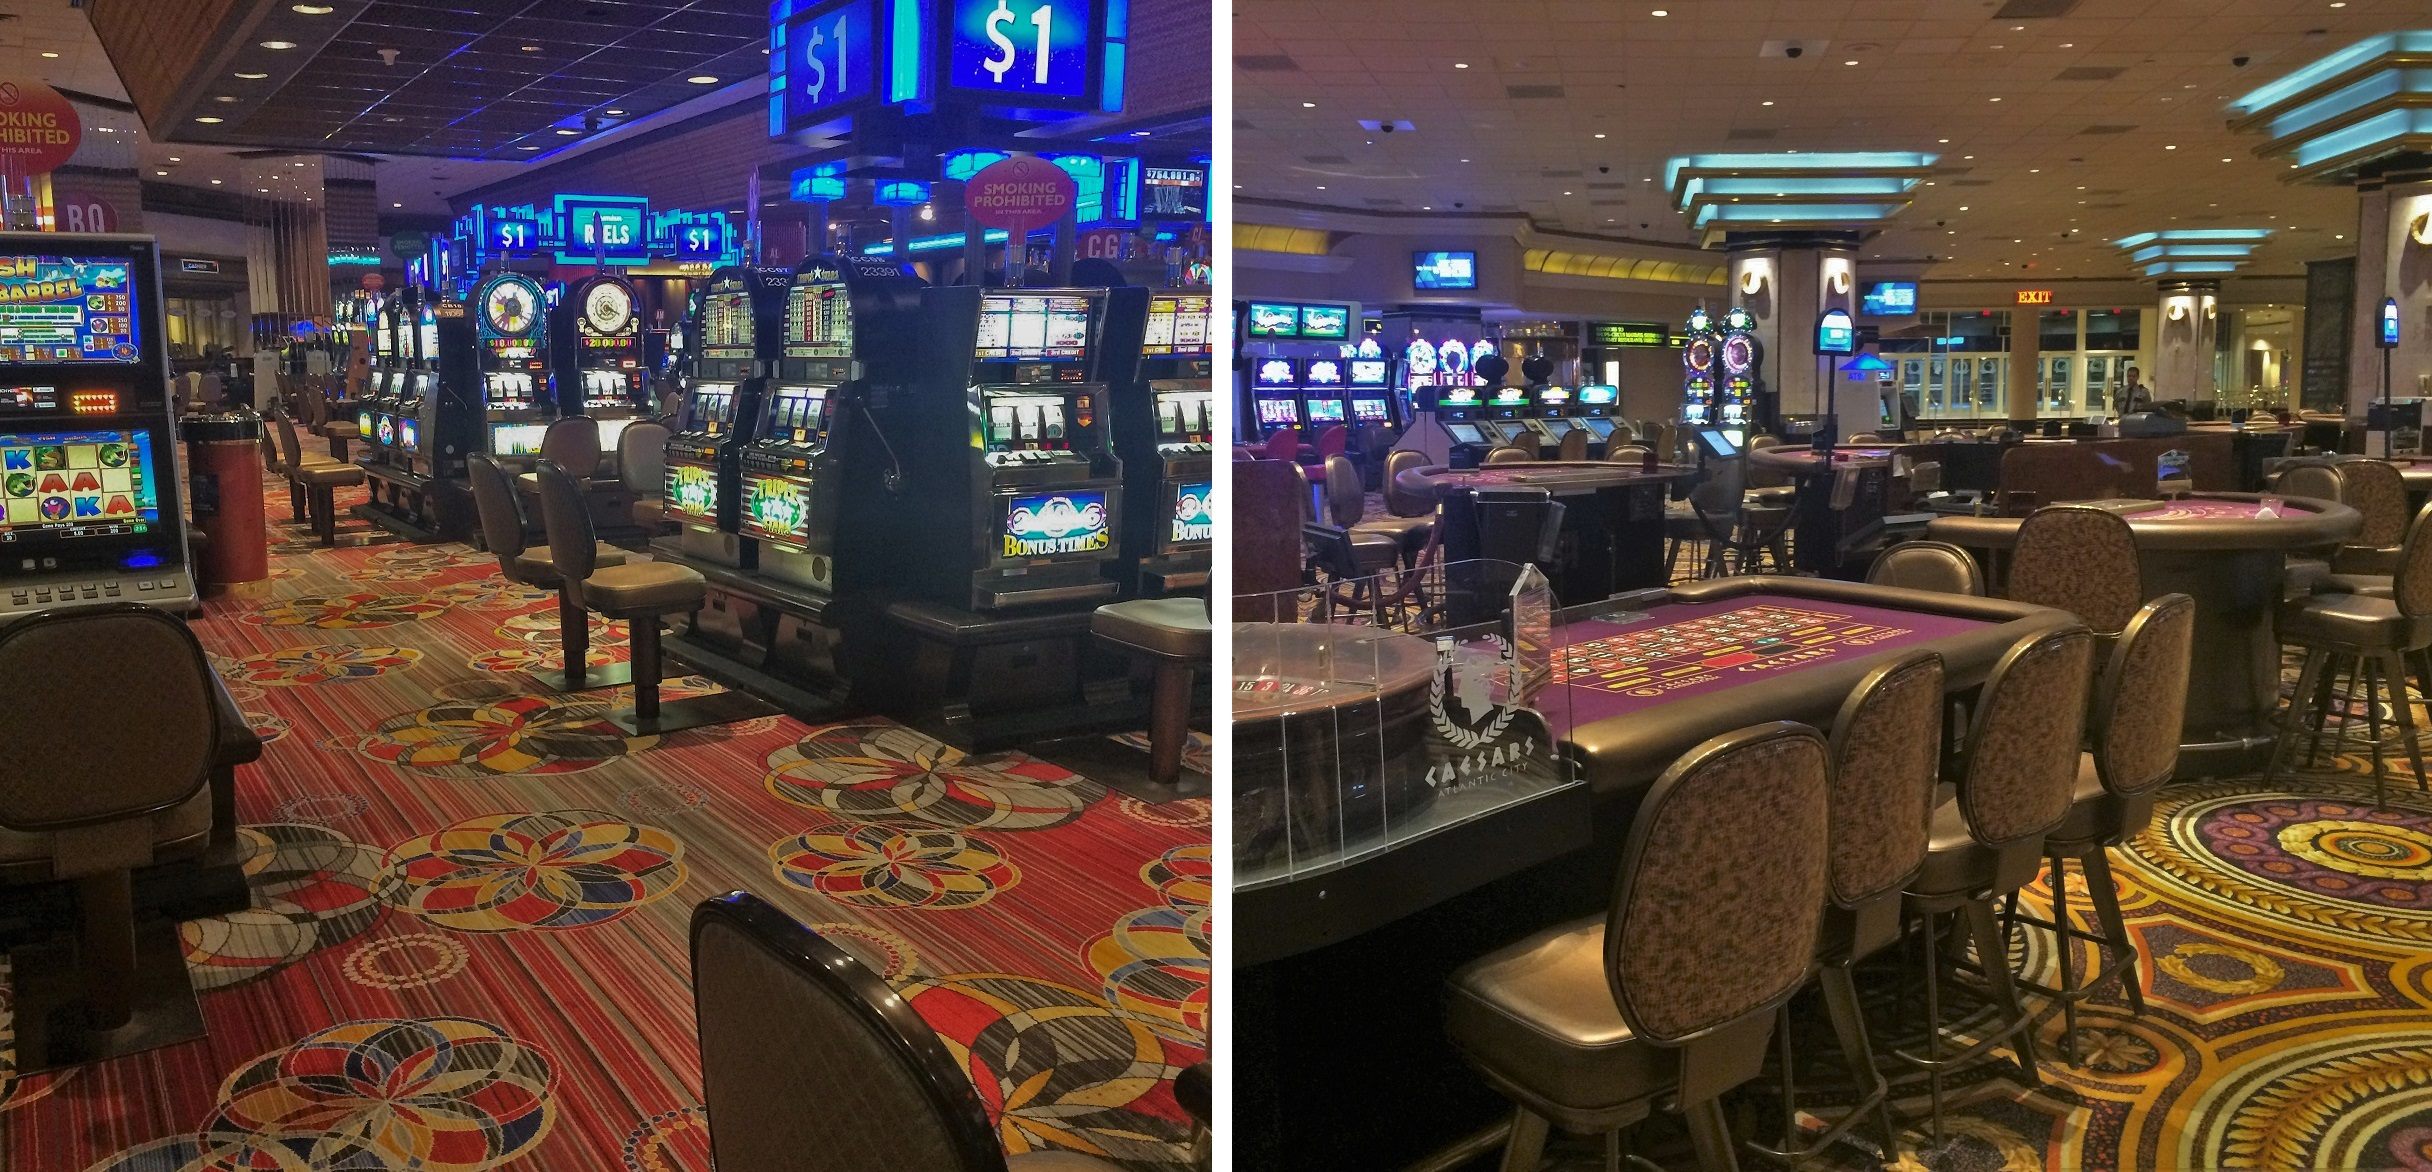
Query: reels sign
point(39, 130)
point(1019, 194)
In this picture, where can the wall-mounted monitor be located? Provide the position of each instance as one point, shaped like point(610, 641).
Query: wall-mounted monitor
point(1444, 270)
point(1325, 323)
point(1889, 299)
point(1272, 320)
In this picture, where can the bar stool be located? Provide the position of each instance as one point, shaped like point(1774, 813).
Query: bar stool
point(641, 463)
point(1627, 454)
point(2373, 634)
point(2138, 703)
point(1886, 747)
point(503, 529)
point(2378, 491)
point(317, 478)
point(640, 593)
point(2017, 772)
point(573, 444)
point(2082, 560)
point(1938, 566)
point(1668, 999)
point(1410, 519)
point(1173, 634)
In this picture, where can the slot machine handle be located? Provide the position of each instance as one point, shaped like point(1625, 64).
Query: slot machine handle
point(894, 475)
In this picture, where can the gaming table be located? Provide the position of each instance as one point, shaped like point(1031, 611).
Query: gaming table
point(1803, 461)
point(2226, 551)
point(1613, 517)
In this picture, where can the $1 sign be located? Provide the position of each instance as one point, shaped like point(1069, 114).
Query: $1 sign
point(816, 87)
point(1044, 17)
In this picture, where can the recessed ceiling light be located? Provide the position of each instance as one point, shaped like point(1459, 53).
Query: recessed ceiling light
point(1566, 193)
point(1460, 64)
point(2018, 28)
point(702, 79)
point(1661, 12)
point(2228, 160)
point(278, 44)
point(614, 113)
point(1321, 187)
point(253, 76)
point(207, 120)
point(1308, 105)
point(53, 56)
point(2171, 147)
point(2068, 44)
point(2035, 170)
point(571, 133)
point(1768, 101)
point(2339, 235)
point(1992, 99)
point(215, 183)
point(225, 98)
point(396, 205)
point(1851, 61)
point(160, 172)
point(1963, 207)
point(529, 48)
point(527, 148)
point(1600, 136)
point(263, 190)
point(1967, 156)
point(313, 9)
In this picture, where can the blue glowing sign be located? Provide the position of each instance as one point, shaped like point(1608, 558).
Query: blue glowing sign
point(827, 64)
point(1835, 332)
point(1026, 53)
point(610, 228)
point(2388, 339)
point(1889, 299)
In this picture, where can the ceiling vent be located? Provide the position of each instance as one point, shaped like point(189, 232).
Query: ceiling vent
point(1266, 63)
point(2090, 73)
point(1532, 91)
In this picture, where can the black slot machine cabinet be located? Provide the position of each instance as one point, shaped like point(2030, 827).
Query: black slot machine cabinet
point(1596, 407)
point(1370, 384)
point(1165, 431)
point(596, 331)
point(840, 316)
point(409, 492)
point(737, 333)
point(89, 472)
point(1461, 434)
point(1507, 418)
point(1742, 356)
point(420, 386)
point(1698, 407)
point(495, 366)
point(1549, 411)
point(376, 416)
point(1324, 393)
point(1275, 389)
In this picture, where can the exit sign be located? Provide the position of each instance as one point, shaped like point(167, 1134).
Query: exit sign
point(2035, 297)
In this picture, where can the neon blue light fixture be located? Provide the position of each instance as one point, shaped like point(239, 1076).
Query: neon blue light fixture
point(1827, 191)
point(2184, 251)
point(2366, 102)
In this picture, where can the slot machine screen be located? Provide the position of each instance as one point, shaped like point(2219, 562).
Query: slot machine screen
point(429, 335)
point(1176, 325)
point(726, 321)
point(518, 439)
point(710, 408)
point(384, 338)
point(1194, 513)
point(76, 310)
point(1278, 412)
point(1034, 326)
point(1275, 374)
point(1323, 374)
point(409, 434)
point(1465, 433)
point(1368, 410)
point(1369, 372)
point(1056, 523)
point(1554, 397)
point(1325, 410)
point(67, 485)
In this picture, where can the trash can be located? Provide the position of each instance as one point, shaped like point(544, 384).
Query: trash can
point(224, 496)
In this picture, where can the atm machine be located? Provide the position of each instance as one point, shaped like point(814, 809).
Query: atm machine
point(1275, 388)
point(1164, 431)
point(738, 335)
point(1323, 393)
point(595, 336)
point(89, 465)
point(989, 519)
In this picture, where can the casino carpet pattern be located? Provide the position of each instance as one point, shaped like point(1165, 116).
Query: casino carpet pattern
point(467, 946)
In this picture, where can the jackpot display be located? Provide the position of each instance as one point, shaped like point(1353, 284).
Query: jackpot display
point(64, 309)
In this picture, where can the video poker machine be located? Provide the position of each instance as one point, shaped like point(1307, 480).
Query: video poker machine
point(1324, 393)
point(596, 351)
point(1596, 407)
point(495, 368)
point(376, 415)
point(89, 507)
point(1165, 432)
point(1275, 390)
point(1370, 384)
point(406, 440)
point(737, 337)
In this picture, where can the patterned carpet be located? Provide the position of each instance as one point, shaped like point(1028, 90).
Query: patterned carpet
point(467, 948)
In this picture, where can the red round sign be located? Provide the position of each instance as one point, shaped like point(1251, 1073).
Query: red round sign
point(1019, 193)
point(39, 130)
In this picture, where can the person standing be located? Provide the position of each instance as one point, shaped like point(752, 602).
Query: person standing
point(2135, 396)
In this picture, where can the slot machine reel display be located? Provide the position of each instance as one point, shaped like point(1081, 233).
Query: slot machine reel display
point(1370, 383)
point(1165, 431)
point(1275, 387)
point(741, 326)
point(506, 371)
point(1322, 393)
point(89, 475)
point(597, 355)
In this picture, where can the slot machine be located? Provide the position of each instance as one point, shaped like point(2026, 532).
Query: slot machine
point(792, 478)
point(1003, 490)
point(1275, 388)
point(736, 332)
point(1323, 392)
point(89, 476)
point(1596, 407)
point(1698, 407)
point(1506, 418)
point(1370, 384)
point(419, 390)
point(376, 416)
point(497, 373)
point(1551, 411)
point(596, 353)
point(1740, 354)
point(1165, 431)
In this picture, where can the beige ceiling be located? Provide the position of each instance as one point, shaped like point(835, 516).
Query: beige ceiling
point(2030, 154)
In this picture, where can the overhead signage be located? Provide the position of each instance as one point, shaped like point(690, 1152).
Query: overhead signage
point(2387, 337)
point(603, 228)
point(824, 65)
point(2035, 297)
point(193, 265)
point(39, 130)
point(584, 229)
point(1173, 193)
point(1628, 333)
point(1019, 193)
point(82, 211)
point(1835, 332)
point(344, 256)
point(1026, 53)
point(1035, 60)
point(409, 245)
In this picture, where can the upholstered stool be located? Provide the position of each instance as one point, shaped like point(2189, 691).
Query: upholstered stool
point(1938, 566)
point(641, 593)
point(2375, 635)
point(317, 478)
point(503, 528)
point(1174, 633)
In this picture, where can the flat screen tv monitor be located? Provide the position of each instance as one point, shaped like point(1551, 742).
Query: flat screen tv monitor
point(1368, 410)
point(1278, 412)
point(1273, 320)
point(1325, 323)
point(1444, 270)
point(1056, 523)
point(63, 488)
point(1274, 374)
point(1889, 299)
point(1325, 410)
point(1369, 372)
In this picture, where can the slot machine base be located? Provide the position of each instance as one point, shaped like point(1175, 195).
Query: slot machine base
point(981, 682)
point(1159, 577)
point(50, 989)
point(420, 508)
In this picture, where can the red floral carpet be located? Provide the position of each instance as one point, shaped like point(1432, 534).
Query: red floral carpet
point(467, 947)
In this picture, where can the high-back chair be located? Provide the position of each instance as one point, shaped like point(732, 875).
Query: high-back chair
point(1574, 446)
point(1509, 454)
point(1284, 445)
point(1334, 441)
point(2079, 559)
point(810, 1060)
point(504, 530)
point(84, 802)
point(1669, 998)
point(2310, 478)
point(1938, 566)
point(317, 478)
point(2377, 490)
point(640, 593)
point(2138, 702)
point(1403, 537)
point(2014, 779)
point(1627, 454)
point(2374, 636)
point(641, 463)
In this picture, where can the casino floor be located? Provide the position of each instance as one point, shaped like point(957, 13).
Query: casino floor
point(1051, 930)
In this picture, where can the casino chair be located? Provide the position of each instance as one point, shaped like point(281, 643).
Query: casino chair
point(1627, 454)
point(810, 1060)
point(1866, 437)
point(1938, 566)
point(2373, 635)
point(2082, 560)
point(1284, 445)
point(641, 465)
point(86, 803)
point(1509, 454)
point(1334, 441)
point(339, 432)
point(1574, 447)
point(504, 530)
point(1668, 999)
point(1410, 519)
point(1886, 748)
point(640, 593)
point(2138, 702)
point(2015, 776)
point(1947, 436)
point(1174, 636)
point(2376, 489)
point(2313, 478)
point(316, 478)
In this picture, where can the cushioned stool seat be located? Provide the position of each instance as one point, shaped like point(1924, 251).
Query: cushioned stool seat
point(178, 830)
point(644, 588)
point(535, 567)
point(1175, 633)
point(1540, 1011)
point(504, 531)
point(2366, 585)
point(2351, 619)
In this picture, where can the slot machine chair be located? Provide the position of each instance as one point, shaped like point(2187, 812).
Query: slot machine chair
point(1175, 636)
point(316, 478)
point(573, 444)
point(1574, 447)
point(504, 530)
point(640, 593)
point(84, 806)
point(641, 465)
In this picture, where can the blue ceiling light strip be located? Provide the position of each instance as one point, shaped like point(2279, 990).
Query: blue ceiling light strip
point(2193, 251)
point(2364, 103)
point(931, 243)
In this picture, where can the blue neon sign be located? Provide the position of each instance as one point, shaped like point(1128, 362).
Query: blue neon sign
point(608, 228)
point(827, 63)
point(1019, 52)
